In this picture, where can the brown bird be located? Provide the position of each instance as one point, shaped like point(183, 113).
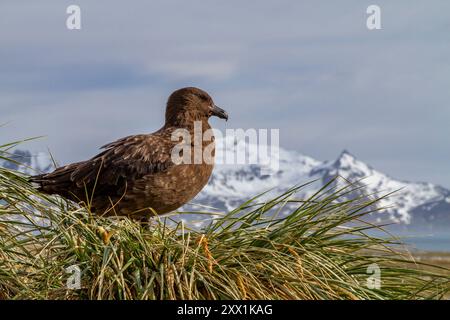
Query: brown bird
point(136, 175)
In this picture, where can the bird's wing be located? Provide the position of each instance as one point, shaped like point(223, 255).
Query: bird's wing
point(126, 159)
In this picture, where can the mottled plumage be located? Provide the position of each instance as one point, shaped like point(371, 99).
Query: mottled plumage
point(135, 175)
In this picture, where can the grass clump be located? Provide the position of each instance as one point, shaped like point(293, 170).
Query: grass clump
point(320, 250)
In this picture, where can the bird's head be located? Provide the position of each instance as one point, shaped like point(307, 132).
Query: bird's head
point(191, 104)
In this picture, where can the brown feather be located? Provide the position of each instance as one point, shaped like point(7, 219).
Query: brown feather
point(135, 175)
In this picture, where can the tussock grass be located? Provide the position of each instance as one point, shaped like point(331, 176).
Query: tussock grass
point(321, 250)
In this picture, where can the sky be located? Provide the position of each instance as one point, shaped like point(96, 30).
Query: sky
point(309, 68)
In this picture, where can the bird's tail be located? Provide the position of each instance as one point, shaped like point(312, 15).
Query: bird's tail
point(36, 181)
point(56, 182)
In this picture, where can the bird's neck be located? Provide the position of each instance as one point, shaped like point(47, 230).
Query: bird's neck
point(183, 116)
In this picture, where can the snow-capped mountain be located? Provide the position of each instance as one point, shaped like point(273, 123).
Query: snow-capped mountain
point(417, 205)
point(406, 196)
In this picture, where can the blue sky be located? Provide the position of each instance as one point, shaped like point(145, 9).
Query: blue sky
point(310, 68)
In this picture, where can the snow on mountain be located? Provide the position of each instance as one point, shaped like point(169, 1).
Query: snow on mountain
point(406, 195)
point(230, 184)
point(246, 180)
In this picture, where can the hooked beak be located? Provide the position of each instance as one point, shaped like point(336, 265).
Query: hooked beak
point(219, 112)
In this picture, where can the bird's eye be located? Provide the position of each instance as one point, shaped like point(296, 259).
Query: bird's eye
point(203, 97)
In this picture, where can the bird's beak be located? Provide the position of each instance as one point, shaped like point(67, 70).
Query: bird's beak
point(219, 112)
